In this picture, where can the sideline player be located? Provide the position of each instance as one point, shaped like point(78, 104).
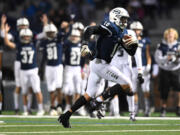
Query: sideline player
point(29, 71)
point(54, 69)
point(146, 62)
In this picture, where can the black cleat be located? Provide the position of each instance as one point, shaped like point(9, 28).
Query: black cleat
point(64, 120)
point(95, 105)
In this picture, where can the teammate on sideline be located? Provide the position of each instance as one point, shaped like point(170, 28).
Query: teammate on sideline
point(54, 69)
point(21, 24)
point(72, 71)
point(146, 62)
point(29, 71)
point(112, 33)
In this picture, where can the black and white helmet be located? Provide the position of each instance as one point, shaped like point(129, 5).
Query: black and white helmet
point(119, 16)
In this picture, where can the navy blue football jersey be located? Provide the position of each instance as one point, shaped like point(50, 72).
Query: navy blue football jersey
point(72, 53)
point(52, 51)
point(28, 55)
point(144, 42)
point(164, 48)
point(107, 45)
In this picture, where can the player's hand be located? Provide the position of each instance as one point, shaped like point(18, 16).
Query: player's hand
point(44, 19)
point(85, 51)
point(147, 69)
point(7, 28)
point(3, 19)
point(129, 40)
point(140, 78)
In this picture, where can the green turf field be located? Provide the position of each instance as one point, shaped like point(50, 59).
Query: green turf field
point(18, 125)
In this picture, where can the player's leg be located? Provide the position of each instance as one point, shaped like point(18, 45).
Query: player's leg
point(68, 86)
point(77, 87)
point(59, 80)
point(25, 86)
point(35, 84)
point(50, 74)
point(91, 90)
point(17, 88)
point(146, 91)
point(30, 98)
point(123, 83)
point(164, 87)
point(135, 89)
point(114, 103)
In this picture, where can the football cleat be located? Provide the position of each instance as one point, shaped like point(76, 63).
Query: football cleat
point(132, 116)
point(64, 120)
point(40, 113)
point(95, 105)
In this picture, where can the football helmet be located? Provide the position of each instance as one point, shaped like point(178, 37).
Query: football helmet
point(25, 36)
point(75, 36)
point(119, 16)
point(22, 23)
point(136, 25)
point(50, 31)
point(78, 25)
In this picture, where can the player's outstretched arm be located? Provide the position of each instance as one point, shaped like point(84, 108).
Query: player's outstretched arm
point(6, 39)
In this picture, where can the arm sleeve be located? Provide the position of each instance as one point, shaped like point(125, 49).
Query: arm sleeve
point(138, 59)
point(97, 30)
point(159, 56)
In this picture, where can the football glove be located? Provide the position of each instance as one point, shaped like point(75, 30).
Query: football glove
point(85, 50)
point(140, 78)
point(147, 69)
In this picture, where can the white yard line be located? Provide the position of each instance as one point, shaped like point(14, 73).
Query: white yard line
point(1, 122)
point(87, 117)
point(90, 125)
point(95, 131)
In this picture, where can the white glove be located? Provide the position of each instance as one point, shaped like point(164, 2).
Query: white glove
point(85, 50)
point(130, 40)
point(147, 69)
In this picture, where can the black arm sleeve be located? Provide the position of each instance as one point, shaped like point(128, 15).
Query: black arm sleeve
point(97, 30)
point(132, 50)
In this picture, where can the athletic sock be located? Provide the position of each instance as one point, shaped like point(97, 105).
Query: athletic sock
point(30, 96)
point(78, 104)
point(131, 104)
point(40, 107)
point(146, 103)
point(25, 108)
point(16, 101)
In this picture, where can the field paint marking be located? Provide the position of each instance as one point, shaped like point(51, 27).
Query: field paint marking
point(91, 125)
point(1, 122)
point(87, 117)
point(95, 131)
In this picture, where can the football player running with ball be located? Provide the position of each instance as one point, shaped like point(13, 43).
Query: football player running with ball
point(111, 33)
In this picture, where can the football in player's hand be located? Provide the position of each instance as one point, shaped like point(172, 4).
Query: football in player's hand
point(126, 41)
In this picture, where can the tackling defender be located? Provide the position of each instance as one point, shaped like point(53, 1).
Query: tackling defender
point(112, 33)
